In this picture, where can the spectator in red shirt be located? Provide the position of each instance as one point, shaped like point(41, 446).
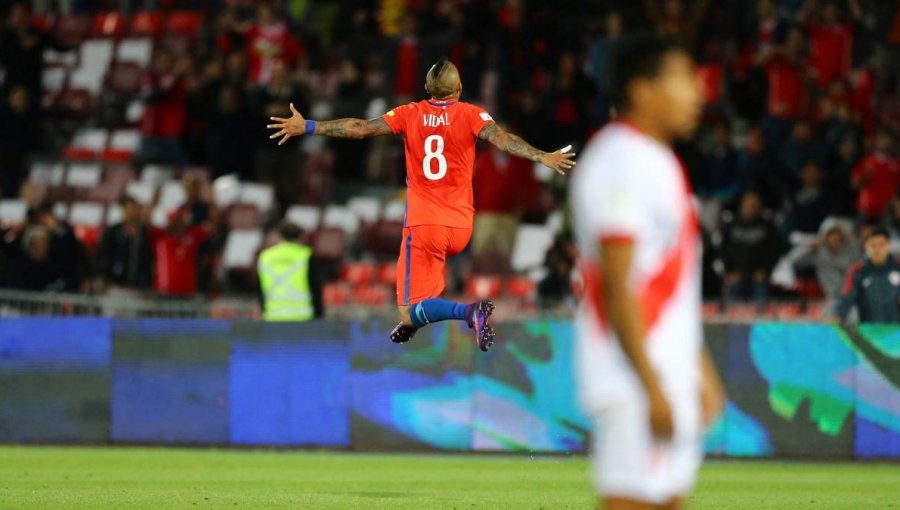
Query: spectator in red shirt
point(165, 93)
point(504, 186)
point(831, 40)
point(786, 72)
point(406, 65)
point(175, 249)
point(268, 42)
point(876, 178)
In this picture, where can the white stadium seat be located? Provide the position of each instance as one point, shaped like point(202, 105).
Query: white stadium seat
point(142, 191)
point(84, 175)
point(337, 216)
point(13, 210)
point(304, 216)
point(260, 195)
point(532, 243)
point(172, 195)
point(137, 50)
point(88, 214)
point(394, 211)
point(240, 249)
point(366, 209)
point(50, 174)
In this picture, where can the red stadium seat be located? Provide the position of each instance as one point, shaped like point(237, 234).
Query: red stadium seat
point(184, 22)
point(483, 287)
point(147, 23)
point(358, 272)
point(41, 22)
point(711, 77)
point(387, 273)
point(123, 143)
point(335, 295)
point(521, 287)
point(109, 24)
point(372, 295)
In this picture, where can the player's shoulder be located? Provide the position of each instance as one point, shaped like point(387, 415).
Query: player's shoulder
point(404, 108)
point(621, 150)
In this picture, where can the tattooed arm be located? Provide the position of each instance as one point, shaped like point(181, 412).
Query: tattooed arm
point(341, 128)
point(516, 146)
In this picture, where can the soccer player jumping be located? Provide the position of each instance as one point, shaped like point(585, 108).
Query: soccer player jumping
point(439, 138)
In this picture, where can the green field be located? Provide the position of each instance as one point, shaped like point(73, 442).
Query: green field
point(158, 478)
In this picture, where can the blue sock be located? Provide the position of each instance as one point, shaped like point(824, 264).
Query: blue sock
point(436, 310)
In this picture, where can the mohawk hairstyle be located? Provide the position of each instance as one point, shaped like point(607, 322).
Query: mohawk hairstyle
point(438, 88)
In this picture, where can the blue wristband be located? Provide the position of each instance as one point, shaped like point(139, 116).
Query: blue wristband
point(310, 128)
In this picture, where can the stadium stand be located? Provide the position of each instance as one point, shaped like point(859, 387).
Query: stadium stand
point(107, 138)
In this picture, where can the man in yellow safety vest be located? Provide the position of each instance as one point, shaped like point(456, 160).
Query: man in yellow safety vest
point(287, 282)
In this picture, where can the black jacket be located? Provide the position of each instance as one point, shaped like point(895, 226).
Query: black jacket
point(874, 290)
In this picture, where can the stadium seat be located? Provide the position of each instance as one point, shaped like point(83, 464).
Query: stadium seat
point(86, 214)
point(13, 210)
point(61, 210)
point(124, 78)
point(387, 273)
point(184, 22)
point(135, 50)
point(109, 24)
point(358, 273)
point(260, 195)
point(112, 186)
point(96, 55)
point(83, 175)
point(159, 216)
point(113, 215)
point(241, 249)
point(532, 243)
point(366, 209)
point(172, 195)
point(87, 144)
point(134, 112)
point(42, 22)
point(73, 28)
point(142, 191)
point(243, 216)
point(54, 78)
point(335, 295)
point(123, 143)
point(521, 287)
point(146, 23)
point(157, 174)
point(555, 221)
point(484, 287)
point(328, 244)
point(394, 211)
point(711, 78)
point(341, 217)
point(372, 295)
point(51, 174)
point(67, 59)
point(304, 216)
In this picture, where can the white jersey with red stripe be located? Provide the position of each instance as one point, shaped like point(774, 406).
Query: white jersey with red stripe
point(631, 188)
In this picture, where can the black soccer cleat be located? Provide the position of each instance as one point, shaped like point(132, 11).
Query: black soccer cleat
point(402, 333)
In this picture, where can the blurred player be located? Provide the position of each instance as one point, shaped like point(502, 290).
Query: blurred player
point(644, 374)
point(439, 137)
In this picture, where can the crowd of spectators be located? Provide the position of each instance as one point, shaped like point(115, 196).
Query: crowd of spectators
point(802, 117)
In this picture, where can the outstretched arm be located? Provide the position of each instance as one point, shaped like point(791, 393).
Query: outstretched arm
point(509, 143)
point(340, 128)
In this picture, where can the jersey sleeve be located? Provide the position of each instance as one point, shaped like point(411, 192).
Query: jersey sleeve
point(478, 118)
point(610, 201)
point(397, 118)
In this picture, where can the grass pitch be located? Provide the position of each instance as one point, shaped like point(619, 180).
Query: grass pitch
point(162, 478)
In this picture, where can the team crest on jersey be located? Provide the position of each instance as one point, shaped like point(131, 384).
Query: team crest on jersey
point(390, 113)
point(485, 116)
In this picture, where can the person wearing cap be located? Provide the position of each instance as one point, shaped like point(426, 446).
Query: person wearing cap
point(288, 280)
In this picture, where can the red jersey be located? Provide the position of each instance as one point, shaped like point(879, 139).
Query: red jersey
point(831, 51)
point(875, 195)
point(176, 260)
point(439, 137)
